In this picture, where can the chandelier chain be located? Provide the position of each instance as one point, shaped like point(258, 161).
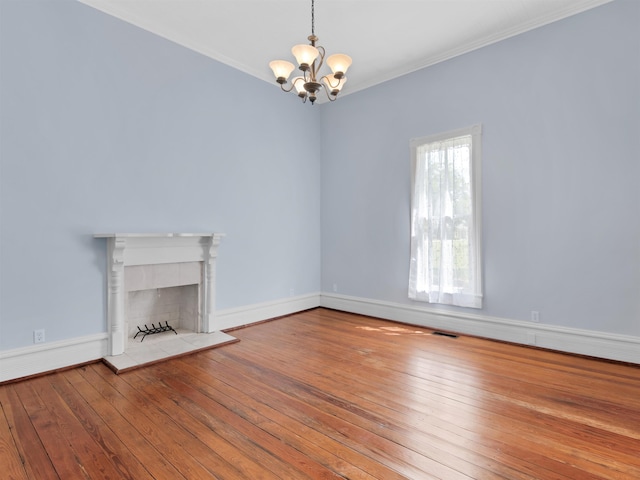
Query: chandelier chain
point(313, 18)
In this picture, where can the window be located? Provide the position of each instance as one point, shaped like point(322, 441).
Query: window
point(445, 219)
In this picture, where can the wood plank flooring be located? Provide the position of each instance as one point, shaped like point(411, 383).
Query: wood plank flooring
point(329, 395)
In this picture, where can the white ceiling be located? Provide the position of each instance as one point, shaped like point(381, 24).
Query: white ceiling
point(386, 39)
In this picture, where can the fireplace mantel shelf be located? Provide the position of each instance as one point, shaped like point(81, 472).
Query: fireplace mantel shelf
point(153, 235)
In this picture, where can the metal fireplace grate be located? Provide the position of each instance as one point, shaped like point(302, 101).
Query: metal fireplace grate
point(150, 331)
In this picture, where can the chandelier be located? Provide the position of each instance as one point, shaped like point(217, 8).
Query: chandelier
point(310, 59)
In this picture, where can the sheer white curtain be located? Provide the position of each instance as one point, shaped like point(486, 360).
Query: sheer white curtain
point(445, 221)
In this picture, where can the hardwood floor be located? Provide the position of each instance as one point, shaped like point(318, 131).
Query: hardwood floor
point(326, 395)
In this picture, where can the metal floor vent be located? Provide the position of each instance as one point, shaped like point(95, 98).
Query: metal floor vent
point(445, 334)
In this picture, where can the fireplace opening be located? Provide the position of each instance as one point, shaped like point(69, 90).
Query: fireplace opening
point(148, 310)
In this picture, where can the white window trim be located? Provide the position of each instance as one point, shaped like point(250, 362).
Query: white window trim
point(476, 185)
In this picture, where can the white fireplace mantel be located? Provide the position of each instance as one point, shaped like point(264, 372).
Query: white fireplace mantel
point(131, 249)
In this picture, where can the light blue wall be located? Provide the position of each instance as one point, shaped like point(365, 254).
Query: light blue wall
point(105, 127)
point(108, 128)
point(560, 109)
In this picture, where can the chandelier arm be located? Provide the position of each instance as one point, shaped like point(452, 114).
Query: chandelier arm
point(316, 68)
point(331, 97)
point(286, 89)
point(327, 79)
point(293, 84)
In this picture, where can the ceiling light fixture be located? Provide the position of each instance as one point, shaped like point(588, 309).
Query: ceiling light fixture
point(310, 59)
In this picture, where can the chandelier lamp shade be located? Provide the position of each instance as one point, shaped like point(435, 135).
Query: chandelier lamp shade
point(310, 59)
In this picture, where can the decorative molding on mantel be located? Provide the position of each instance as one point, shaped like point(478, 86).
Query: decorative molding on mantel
point(132, 249)
point(624, 348)
point(154, 248)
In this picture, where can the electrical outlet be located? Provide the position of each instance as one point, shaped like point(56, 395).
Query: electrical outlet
point(38, 336)
point(535, 316)
point(335, 287)
point(292, 292)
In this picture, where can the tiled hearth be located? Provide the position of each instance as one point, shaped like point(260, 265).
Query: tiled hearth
point(165, 345)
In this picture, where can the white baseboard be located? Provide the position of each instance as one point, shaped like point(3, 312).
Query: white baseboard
point(246, 315)
point(609, 346)
point(32, 360)
point(22, 362)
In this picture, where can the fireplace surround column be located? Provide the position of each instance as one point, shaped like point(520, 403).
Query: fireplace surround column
point(209, 296)
point(116, 294)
